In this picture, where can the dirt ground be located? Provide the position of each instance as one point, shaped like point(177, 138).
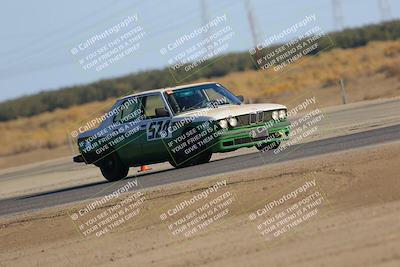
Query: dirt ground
point(61, 173)
point(355, 224)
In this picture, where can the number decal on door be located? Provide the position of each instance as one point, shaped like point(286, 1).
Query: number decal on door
point(158, 130)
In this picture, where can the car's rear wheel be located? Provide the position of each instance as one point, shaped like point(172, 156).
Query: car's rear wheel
point(112, 168)
point(268, 146)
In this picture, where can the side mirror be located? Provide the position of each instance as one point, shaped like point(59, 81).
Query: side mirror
point(241, 98)
point(162, 112)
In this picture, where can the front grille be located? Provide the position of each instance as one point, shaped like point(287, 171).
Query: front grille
point(252, 118)
point(260, 117)
point(267, 116)
point(243, 119)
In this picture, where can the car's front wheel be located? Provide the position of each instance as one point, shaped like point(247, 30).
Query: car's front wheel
point(182, 162)
point(203, 157)
point(112, 168)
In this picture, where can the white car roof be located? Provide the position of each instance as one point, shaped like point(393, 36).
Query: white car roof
point(167, 88)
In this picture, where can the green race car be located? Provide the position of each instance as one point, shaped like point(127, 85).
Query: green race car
point(182, 125)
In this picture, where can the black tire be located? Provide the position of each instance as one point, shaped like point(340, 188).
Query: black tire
point(204, 157)
point(177, 165)
point(268, 146)
point(182, 160)
point(112, 168)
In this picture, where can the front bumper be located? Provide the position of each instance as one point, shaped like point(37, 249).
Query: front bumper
point(240, 137)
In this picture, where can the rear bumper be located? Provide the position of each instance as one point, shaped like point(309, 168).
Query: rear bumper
point(238, 138)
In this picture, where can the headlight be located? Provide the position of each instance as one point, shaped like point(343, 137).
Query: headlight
point(223, 124)
point(282, 114)
point(275, 115)
point(233, 122)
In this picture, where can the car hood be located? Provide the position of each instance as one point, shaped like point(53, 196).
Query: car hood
point(226, 111)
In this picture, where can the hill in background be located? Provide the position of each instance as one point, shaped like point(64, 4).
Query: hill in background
point(99, 91)
point(369, 72)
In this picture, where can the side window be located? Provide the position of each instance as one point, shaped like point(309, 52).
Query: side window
point(151, 104)
point(117, 117)
point(129, 110)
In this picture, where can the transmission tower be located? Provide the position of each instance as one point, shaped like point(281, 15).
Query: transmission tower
point(204, 16)
point(384, 8)
point(338, 18)
point(253, 26)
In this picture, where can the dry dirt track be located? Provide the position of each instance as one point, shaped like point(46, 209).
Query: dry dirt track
point(65, 182)
point(162, 178)
point(357, 224)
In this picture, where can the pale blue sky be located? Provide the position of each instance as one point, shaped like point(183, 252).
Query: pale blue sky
point(37, 36)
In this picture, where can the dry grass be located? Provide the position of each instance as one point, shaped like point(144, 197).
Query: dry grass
point(50, 129)
point(47, 130)
point(319, 71)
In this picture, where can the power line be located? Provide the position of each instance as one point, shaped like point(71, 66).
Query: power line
point(165, 29)
point(58, 31)
point(338, 18)
point(385, 10)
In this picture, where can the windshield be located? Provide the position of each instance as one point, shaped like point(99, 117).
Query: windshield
point(203, 96)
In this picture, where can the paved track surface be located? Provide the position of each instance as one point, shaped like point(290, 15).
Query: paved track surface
point(92, 190)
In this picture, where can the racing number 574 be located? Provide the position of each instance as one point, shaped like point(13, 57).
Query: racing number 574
point(157, 129)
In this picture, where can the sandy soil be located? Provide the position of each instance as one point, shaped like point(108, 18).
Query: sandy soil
point(356, 223)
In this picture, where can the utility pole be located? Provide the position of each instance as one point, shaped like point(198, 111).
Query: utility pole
point(338, 18)
point(384, 8)
point(344, 95)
